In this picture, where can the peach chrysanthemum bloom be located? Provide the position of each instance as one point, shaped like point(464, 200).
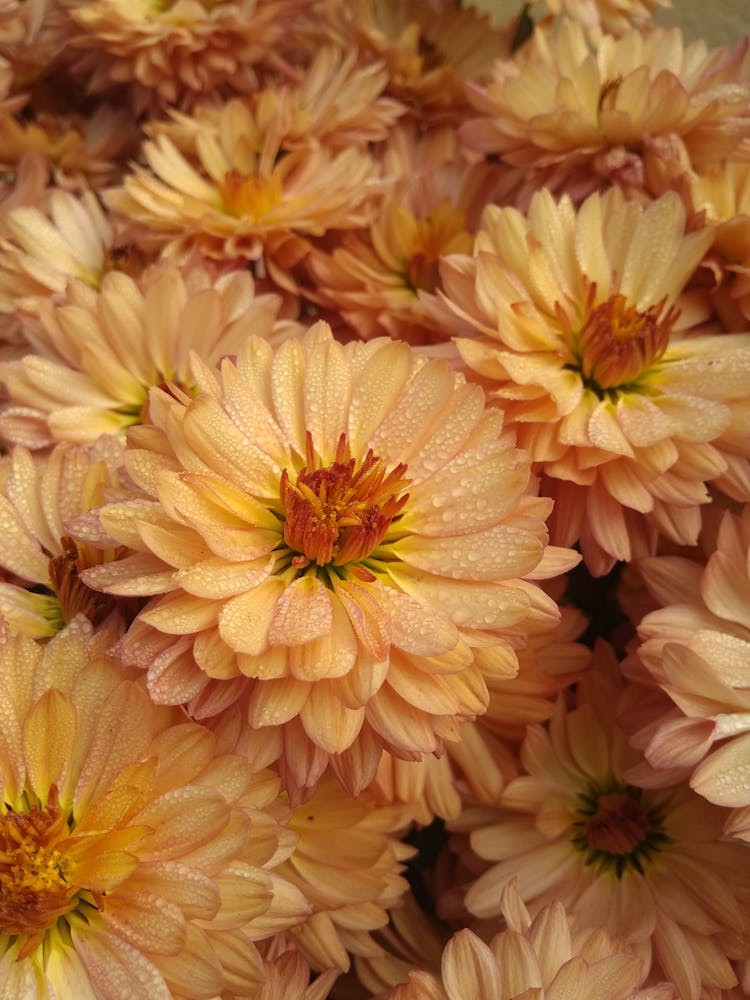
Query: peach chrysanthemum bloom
point(697, 648)
point(347, 864)
point(329, 530)
point(233, 189)
point(81, 151)
point(587, 113)
point(723, 194)
point(613, 17)
point(430, 50)
point(580, 323)
point(43, 591)
point(373, 277)
point(98, 352)
point(128, 842)
point(174, 52)
point(648, 866)
point(539, 959)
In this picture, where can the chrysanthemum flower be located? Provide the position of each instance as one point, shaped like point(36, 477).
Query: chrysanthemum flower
point(43, 591)
point(233, 189)
point(347, 864)
point(177, 51)
point(561, 104)
point(81, 151)
point(43, 247)
point(543, 959)
point(99, 351)
point(614, 17)
point(330, 530)
point(723, 194)
point(430, 50)
point(697, 649)
point(373, 277)
point(647, 866)
point(580, 316)
point(126, 839)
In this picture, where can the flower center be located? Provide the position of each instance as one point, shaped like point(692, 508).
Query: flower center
point(73, 595)
point(34, 888)
point(441, 232)
point(250, 196)
point(338, 513)
point(616, 830)
point(619, 342)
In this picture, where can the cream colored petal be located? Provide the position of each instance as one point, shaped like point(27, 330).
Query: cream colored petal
point(326, 391)
point(140, 574)
point(303, 613)
point(724, 776)
point(498, 553)
point(218, 579)
point(376, 390)
point(274, 702)
point(117, 969)
point(245, 620)
point(469, 968)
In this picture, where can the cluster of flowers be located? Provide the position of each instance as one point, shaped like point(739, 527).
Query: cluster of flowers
point(375, 503)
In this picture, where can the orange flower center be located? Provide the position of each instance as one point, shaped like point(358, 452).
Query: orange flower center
point(618, 342)
point(250, 196)
point(616, 830)
point(34, 888)
point(441, 232)
point(619, 825)
point(338, 513)
point(72, 593)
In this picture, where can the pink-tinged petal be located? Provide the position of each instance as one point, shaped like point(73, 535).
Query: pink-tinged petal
point(367, 616)
point(215, 578)
point(191, 889)
point(303, 613)
point(64, 969)
point(48, 760)
point(174, 677)
point(214, 657)
point(554, 562)
point(250, 413)
point(724, 776)
point(21, 554)
point(604, 431)
point(726, 587)
point(274, 702)
point(419, 986)
point(415, 627)
point(245, 620)
point(676, 958)
point(607, 523)
point(331, 655)
point(519, 967)
point(329, 724)
point(680, 743)
point(672, 579)
point(286, 378)
point(499, 553)
point(117, 969)
point(181, 820)
point(140, 574)
point(271, 663)
point(196, 971)
point(177, 545)
point(180, 614)
point(469, 968)
point(302, 763)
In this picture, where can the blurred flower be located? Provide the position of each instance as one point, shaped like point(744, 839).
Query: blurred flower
point(100, 350)
point(347, 864)
point(177, 51)
point(614, 17)
point(543, 959)
point(43, 591)
point(582, 344)
point(697, 647)
point(232, 188)
point(127, 842)
point(586, 112)
point(647, 866)
point(331, 530)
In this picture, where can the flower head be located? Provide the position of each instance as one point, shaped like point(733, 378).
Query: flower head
point(126, 839)
point(328, 531)
point(581, 343)
point(646, 865)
